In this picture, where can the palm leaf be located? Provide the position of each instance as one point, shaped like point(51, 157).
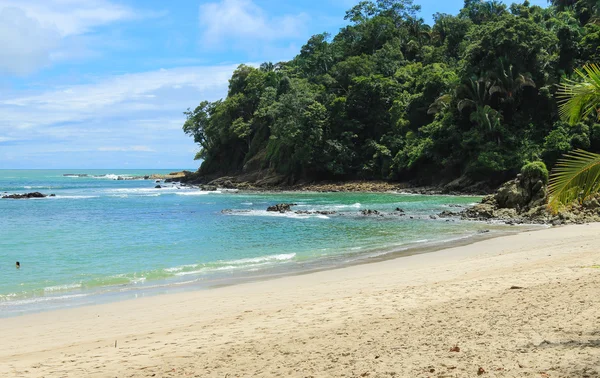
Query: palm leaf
point(439, 104)
point(576, 176)
point(577, 100)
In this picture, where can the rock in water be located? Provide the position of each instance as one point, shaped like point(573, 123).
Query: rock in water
point(368, 212)
point(281, 207)
point(25, 196)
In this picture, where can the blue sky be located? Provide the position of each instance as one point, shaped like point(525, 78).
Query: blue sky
point(103, 83)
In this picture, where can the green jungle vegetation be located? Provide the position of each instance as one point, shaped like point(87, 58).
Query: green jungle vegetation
point(472, 96)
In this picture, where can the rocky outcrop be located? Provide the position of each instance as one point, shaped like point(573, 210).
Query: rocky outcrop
point(26, 195)
point(524, 200)
point(281, 207)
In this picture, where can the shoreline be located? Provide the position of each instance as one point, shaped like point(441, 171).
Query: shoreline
point(515, 305)
point(122, 293)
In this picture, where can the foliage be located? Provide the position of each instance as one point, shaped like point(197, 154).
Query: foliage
point(535, 171)
point(575, 177)
point(390, 97)
point(581, 99)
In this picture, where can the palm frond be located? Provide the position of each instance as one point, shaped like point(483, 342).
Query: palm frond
point(575, 177)
point(523, 81)
point(577, 100)
point(465, 103)
point(440, 104)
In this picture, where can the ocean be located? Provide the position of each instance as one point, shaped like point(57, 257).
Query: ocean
point(101, 239)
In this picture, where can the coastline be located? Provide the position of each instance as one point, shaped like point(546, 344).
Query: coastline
point(120, 293)
point(399, 316)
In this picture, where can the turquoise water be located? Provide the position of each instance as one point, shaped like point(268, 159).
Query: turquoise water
point(101, 239)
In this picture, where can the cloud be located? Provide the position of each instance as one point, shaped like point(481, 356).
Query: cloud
point(136, 117)
point(26, 44)
point(246, 25)
point(71, 17)
point(31, 32)
point(129, 93)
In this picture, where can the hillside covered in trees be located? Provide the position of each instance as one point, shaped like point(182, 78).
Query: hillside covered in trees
point(389, 97)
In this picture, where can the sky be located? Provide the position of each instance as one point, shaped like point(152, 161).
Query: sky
point(104, 83)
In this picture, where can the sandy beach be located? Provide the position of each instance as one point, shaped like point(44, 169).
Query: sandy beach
point(525, 305)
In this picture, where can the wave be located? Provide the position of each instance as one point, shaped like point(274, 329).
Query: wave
point(72, 197)
point(131, 281)
point(265, 213)
point(65, 287)
point(224, 265)
point(110, 176)
point(27, 301)
point(197, 193)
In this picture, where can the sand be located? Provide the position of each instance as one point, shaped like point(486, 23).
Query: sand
point(525, 305)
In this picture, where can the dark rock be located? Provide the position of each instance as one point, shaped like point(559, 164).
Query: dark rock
point(326, 212)
point(399, 210)
point(25, 196)
point(281, 207)
point(305, 212)
point(227, 184)
point(448, 214)
point(52, 195)
point(230, 211)
point(368, 212)
point(433, 217)
point(119, 178)
point(208, 188)
point(158, 187)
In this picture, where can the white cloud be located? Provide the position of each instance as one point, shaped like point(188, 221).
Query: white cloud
point(71, 17)
point(124, 94)
point(33, 31)
point(245, 24)
point(134, 116)
point(26, 44)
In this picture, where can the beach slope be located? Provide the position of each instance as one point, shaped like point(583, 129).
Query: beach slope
point(513, 306)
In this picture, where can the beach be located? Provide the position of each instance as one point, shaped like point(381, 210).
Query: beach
point(512, 306)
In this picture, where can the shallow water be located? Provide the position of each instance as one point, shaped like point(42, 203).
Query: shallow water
point(101, 239)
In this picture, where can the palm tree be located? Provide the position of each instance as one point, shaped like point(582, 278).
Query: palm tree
point(577, 175)
point(578, 100)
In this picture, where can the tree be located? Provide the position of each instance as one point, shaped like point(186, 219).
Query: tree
point(391, 97)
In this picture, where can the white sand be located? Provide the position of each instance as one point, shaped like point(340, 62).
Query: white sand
point(393, 318)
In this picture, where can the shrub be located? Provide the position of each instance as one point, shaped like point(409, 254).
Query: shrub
point(535, 171)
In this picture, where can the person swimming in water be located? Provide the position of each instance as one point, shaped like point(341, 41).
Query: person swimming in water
point(18, 265)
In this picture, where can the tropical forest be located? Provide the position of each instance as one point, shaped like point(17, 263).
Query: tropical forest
point(471, 98)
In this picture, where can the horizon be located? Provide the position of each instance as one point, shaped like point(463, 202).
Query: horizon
point(105, 82)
